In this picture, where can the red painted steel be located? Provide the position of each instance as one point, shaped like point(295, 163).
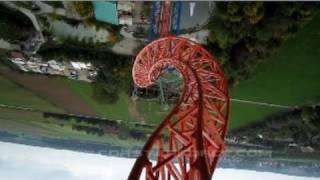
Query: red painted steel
point(165, 18)
point(188, 143)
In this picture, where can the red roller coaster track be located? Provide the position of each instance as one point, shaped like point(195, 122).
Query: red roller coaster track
point(190, 140)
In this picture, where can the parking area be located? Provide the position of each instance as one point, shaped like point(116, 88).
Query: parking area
point(71, 69)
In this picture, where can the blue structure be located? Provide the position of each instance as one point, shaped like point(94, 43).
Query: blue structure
point(154, 26)
point(175, 17)
point(156, 8)
point(106, 11)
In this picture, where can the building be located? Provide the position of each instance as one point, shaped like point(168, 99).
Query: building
point(16, 55)
point(113, 12)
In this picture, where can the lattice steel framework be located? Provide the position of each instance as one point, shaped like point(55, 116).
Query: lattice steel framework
point(164, 17)
point(190, 140)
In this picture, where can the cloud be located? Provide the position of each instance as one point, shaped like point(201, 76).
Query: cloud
point(37, 163)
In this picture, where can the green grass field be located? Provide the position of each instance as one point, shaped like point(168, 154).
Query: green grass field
point(119, 110)
point(14, 95)
point(151, 111)
point(33, 123)
point(291, 76)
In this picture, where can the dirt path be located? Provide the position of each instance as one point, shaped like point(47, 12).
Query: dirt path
point(52, 89)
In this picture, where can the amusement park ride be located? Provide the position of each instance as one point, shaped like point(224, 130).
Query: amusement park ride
point(190, 140)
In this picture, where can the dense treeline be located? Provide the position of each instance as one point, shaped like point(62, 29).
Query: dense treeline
point(288, 166)
point(79, 119)
point(242, 34)
point(99, 126)
point(293, 129)
point(88, 129)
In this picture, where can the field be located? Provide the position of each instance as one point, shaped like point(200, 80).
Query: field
point(291, 76)
point(125, 108)
point(33, 123)
point(49, 88)
point(119, 110)
point(14, 95)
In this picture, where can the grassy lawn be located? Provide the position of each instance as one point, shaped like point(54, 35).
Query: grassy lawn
point(291, 76)
point(152, 111)
point(33, 123)
point(119, 110)
point(14, 95)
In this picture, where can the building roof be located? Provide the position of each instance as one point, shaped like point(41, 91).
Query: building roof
point(125, 19)
point(106, 11)
point(17, 54)
point(80, 65)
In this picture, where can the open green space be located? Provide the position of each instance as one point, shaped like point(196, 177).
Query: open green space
point(151, 111)
point(15, 95)
point(291, 76)
point(119, 110)
point(33, 123)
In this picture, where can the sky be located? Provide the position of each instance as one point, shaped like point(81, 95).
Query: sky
point(22, 162)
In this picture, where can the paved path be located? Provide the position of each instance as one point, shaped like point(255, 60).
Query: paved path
point(262, 103)
point(46, 9)
point(201, 14)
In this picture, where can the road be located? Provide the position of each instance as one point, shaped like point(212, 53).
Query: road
point(201, 14)
point(46, 9)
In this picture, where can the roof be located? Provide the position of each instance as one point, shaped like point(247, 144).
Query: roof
point(106, 11)
point(125, 19)
point(80, 65)
point(16, 54)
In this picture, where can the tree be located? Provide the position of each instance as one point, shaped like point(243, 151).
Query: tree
point(107, 88)
point(83, 8)
point(113, 78)
point(242, 34)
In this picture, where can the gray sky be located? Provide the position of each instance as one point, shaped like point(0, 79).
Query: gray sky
point(21, 162)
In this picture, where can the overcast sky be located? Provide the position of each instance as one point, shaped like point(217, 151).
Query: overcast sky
point(21, 162)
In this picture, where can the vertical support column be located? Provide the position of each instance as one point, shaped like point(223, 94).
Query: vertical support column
point(165, 19)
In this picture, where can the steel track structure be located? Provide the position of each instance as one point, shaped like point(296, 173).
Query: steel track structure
point(189, 141)
point(171, 11)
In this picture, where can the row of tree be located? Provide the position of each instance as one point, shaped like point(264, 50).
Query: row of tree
point(99, 126)
point(300, 126)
